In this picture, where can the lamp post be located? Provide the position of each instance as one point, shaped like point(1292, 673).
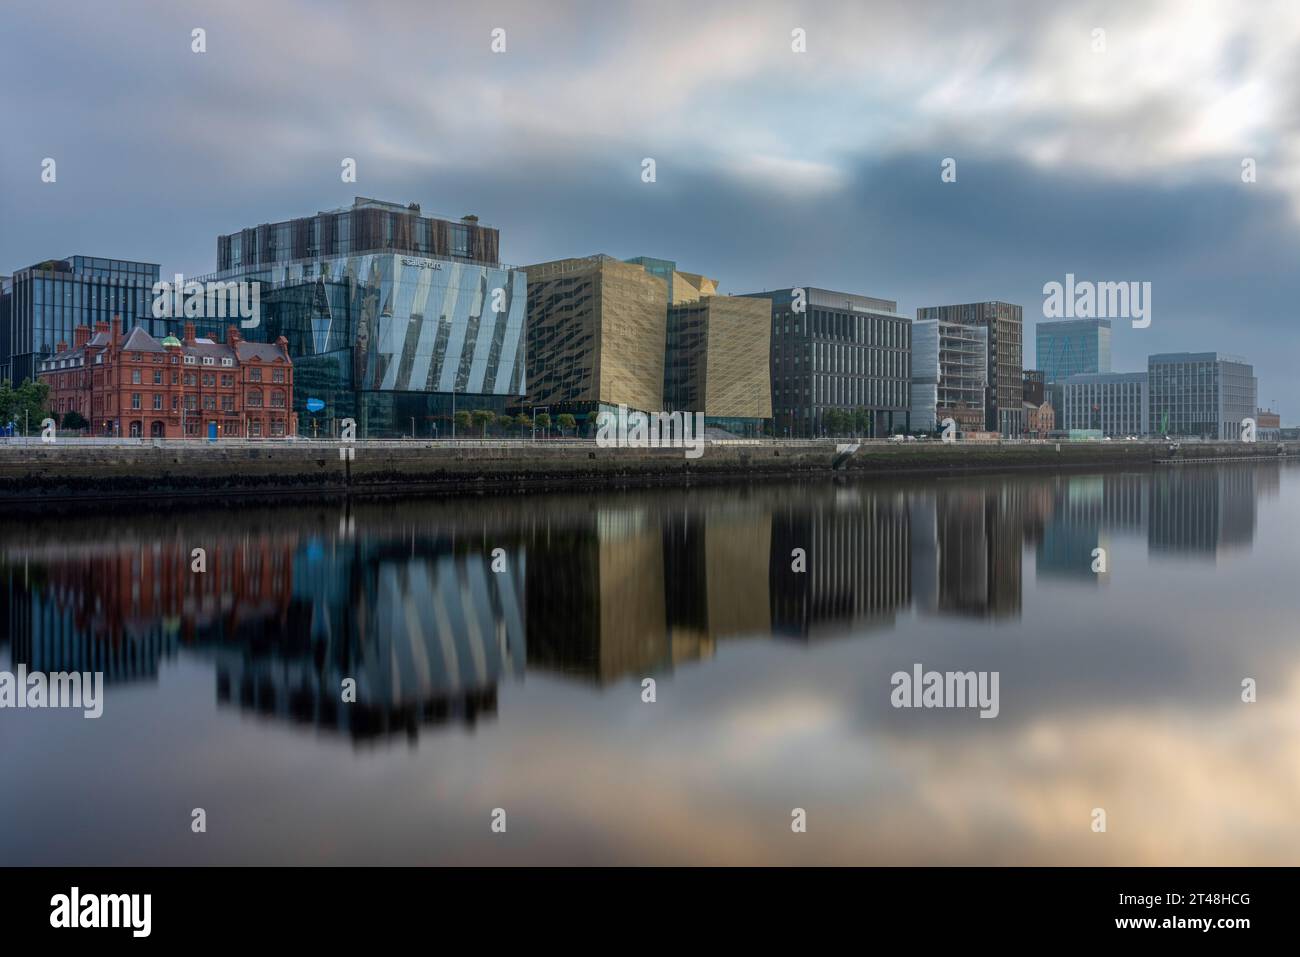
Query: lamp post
point(544, 408)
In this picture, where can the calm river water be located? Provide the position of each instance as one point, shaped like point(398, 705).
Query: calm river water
point(499, 647)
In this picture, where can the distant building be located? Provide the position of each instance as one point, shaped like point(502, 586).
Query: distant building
point(1034, 387)
point(1114, 403)
point(41, 305)
point(136, 385)
point(1039, 420)
point(1072, 347)
point(1201, 394)
point(842, 351)
point(1268, 426)
point(949, 375)
point(1004, 407)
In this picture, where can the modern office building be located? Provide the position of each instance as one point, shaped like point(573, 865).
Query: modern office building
point(394, 319)
point(1116, 403)
point(839, 351)
point(597, 331)
point(718, 361)
point(41, 305)
point(1201, 394)
point(949, 375)
point(1004, 407)
point(136, 385)
point(1072, 347)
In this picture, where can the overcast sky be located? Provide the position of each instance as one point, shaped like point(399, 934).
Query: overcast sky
point(773, 168)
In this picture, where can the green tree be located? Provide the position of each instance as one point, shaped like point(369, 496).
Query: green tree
point(483, 418)
point(25, 406)
point(463, 420)
point(862, 421)
point(565, 421)
point(74, 421)
point(524, 421)
point(543, 420)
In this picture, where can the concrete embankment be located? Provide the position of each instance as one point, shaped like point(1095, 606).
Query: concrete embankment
point(71, 472)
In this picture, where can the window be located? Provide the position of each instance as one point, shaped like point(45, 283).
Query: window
point(277, 400)
point(227, 361)
point(255, 400)
point(135, 400)
point(207, 360)
point(227, 403)
point(227, 380)
point(189, 360)
point(157, 401)
point(254, 375)
point(157, 377)
point(277, 375)
point(210, 403)
point(135, 376)
point(209, 379)
point(277, 427)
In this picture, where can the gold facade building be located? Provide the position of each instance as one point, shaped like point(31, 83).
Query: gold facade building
point(596, 334)
point(718, 361)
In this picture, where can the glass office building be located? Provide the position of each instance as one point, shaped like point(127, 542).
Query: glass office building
point(1072, 347)
point(393, 319)
point(1201, 394)
point(41, 305)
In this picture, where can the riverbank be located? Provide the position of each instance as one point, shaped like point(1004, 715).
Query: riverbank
point(71, 473)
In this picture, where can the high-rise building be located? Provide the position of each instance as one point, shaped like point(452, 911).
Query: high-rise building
point(1115, 403)
point(949, 375)
point(1201, 394)
point(837, 351)
point(1072, 347)
point(43, 304)
point(394, 319)
point(597, 330)
point(1004, 408)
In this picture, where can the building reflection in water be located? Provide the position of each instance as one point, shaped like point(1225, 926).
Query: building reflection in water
point(404, 598)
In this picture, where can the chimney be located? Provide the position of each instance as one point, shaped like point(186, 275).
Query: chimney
point(101, 326)
point(60, 346)
point(80, 336)
point(283, 345)
point(189, 333)
point(232, 336)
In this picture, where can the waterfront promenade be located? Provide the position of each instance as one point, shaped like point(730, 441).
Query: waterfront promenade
point(147, 471)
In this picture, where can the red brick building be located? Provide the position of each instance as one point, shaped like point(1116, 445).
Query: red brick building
point(135, 385)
